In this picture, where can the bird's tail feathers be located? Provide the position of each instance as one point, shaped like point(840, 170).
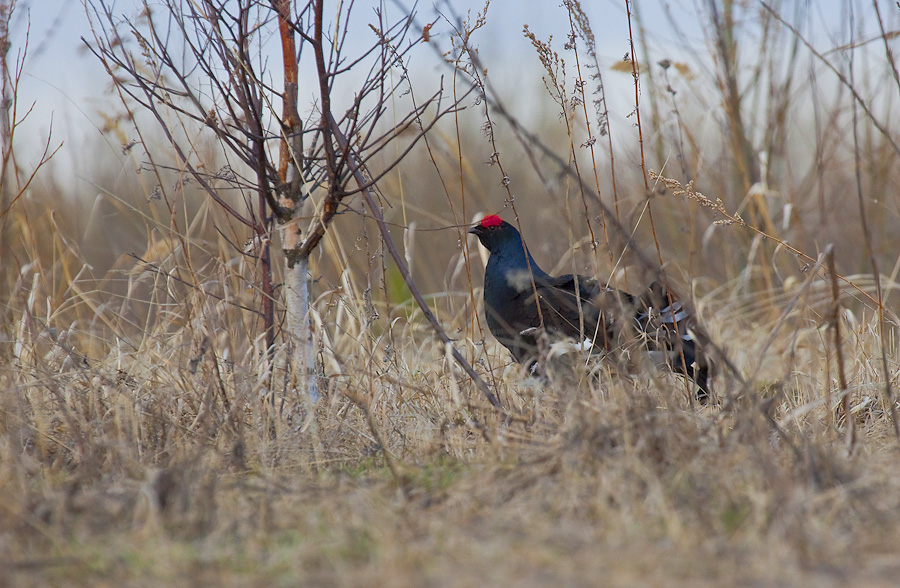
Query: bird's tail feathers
point(667, 325)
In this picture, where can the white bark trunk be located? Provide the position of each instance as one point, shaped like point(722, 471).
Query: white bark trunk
point(302, 350)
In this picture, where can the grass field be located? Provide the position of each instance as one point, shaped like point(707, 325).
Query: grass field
point(164, 465)
point(147, 439)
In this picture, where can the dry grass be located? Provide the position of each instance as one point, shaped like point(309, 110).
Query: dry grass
point(145, 438)
point(154, 456)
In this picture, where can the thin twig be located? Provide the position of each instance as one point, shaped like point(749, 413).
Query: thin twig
point(843, 79)
point(867, 239)
point(836, 329)
point(404, 270)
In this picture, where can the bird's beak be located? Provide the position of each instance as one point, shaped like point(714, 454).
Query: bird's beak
point(473, 230)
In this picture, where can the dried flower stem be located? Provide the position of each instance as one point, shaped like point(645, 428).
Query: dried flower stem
point(735, 219)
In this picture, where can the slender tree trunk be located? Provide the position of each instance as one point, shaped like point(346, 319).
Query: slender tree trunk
point(302, 358)
point(268, 289)
point(6, 7)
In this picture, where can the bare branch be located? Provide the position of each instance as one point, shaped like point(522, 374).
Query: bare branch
point(359, 177)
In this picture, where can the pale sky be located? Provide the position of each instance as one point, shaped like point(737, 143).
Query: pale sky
point(64, 81)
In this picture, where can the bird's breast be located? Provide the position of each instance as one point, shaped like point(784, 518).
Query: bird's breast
point(518, 279)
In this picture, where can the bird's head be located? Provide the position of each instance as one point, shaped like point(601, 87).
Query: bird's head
point(492, 231)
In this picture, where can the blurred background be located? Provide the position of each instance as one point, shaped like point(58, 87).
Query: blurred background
point(784, 110)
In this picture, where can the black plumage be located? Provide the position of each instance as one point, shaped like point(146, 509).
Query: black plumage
point(520, 298)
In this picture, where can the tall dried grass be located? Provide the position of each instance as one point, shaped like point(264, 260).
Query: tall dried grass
point(139, 442)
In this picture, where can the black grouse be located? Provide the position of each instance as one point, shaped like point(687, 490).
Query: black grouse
point(578, 307)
